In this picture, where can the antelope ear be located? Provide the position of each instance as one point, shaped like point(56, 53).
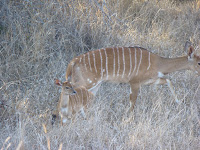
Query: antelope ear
point(58, 82)
point(190, 49)
point(191, 52)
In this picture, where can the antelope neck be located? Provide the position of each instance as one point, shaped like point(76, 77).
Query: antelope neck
point(168, 65)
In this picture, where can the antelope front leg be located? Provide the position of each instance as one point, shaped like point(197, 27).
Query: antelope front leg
point(133, 97)
point(163, 81)
point(83, 113)
point(63, 121)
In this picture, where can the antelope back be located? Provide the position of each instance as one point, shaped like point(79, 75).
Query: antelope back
point(112, 64)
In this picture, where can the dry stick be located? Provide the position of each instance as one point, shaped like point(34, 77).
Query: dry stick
point(20, 145)
point(48, 140)
point(8, 138)
point(8, 146)
point(60, 146)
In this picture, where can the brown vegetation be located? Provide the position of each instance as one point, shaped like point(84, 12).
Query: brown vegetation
point(39, 38)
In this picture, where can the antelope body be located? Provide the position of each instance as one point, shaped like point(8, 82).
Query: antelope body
point(133, 65)
point(73, 100)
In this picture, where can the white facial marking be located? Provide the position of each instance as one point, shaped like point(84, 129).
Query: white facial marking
point(160, 75)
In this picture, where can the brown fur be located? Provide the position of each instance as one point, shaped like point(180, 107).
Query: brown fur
point(133, 65)
point(72, 100)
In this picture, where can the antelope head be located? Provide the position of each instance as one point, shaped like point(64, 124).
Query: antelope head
point(67, 87)
point(193, 58)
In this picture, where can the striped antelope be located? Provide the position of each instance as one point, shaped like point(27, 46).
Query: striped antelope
point(134, 65)
point(72, 100)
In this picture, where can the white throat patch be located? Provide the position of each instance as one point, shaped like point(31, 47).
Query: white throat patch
point(160, 75)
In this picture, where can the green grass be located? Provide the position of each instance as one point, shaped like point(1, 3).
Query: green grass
point(39, 38)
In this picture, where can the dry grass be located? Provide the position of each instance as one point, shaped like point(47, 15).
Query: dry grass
point(39, 38)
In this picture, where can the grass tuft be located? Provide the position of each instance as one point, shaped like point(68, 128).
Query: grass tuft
point(38, 40)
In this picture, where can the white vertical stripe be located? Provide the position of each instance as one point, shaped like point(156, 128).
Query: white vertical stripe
point(149, 61)
point(118, 62)
point(84, 62)
point(113, 62)
point(106, 64)
point(139, 62)
point(130, 62)
point(80, 59)
point(135, 60)
point(101, 64)
point(124, 62)
point(94, 61)
point(89, 61)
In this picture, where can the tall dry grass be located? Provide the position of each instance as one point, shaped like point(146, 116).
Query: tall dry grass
point(39, 38)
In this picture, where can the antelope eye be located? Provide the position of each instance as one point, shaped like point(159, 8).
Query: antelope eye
point(199, 63)
point(67, 87)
